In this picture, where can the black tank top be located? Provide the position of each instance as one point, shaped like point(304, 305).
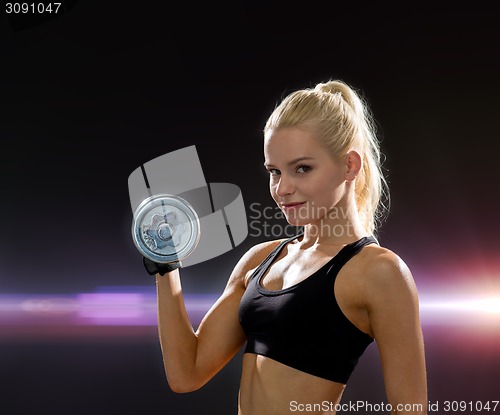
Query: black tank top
point(302, 326)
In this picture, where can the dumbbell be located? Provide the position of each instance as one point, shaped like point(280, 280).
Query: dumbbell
point(165, 228)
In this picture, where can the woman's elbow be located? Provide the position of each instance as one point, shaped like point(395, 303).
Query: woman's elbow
point(186, 385)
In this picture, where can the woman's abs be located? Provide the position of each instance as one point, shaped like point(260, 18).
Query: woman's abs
point(271, 388)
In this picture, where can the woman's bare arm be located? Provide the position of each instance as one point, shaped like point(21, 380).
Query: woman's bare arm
point(393, 309)
point(192, 358)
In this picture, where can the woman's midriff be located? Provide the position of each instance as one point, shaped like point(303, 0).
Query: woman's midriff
point(271, 388)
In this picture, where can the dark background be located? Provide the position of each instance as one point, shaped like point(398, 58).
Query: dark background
point(89, 95)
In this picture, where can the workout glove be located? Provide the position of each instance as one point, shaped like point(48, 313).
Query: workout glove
point(154, 268)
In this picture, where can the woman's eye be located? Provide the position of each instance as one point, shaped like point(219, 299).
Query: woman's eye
point(303, 169)
point(273, 172)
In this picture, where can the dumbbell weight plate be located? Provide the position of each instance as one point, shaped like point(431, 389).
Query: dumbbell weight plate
point(165, 228)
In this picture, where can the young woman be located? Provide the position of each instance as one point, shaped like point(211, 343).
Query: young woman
point(308, 306)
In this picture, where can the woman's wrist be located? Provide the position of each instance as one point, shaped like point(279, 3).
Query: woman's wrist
point(153, 268)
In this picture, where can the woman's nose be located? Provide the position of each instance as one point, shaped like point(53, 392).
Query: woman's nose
point(285, 186)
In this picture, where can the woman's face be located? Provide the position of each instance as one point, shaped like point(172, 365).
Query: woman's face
point(305, 181)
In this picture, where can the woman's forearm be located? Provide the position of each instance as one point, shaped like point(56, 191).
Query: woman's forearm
point(177, 338)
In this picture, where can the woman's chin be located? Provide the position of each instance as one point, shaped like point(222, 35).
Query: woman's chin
point(294, 221)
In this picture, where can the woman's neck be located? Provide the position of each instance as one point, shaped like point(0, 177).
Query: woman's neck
point(341, 225)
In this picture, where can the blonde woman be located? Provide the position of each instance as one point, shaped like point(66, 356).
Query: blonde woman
point(305, 308)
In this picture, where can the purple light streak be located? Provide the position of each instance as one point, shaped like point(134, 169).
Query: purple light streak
point(132, 311)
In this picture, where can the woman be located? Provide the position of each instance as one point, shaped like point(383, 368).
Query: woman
point(308, 306)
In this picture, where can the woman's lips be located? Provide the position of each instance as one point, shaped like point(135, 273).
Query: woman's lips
point(292, 206)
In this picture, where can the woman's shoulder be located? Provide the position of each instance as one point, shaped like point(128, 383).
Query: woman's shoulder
point(264, 248)
point(257, 254)
point(383, 268)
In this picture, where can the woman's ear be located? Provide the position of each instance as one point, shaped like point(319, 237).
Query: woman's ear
point(354, 163)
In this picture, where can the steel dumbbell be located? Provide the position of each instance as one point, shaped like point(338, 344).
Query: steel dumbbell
point(165, 228)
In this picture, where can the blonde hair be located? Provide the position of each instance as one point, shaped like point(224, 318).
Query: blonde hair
point(341, 120)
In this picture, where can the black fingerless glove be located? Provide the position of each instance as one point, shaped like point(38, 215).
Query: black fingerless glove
point(154, 268)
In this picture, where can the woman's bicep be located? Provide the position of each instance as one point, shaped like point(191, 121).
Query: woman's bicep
point(219, 334)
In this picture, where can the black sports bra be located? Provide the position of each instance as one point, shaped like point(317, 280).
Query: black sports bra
point(302, 326)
